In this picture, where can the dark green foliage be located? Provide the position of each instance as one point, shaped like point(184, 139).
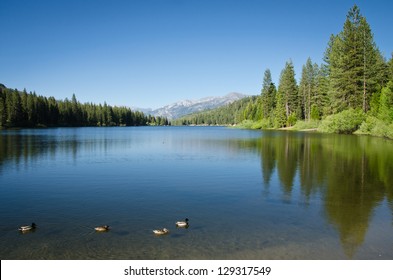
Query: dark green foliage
point(315, 115)
point(390, 69)
point(289, 91)
point(322, 100)
point(22, 109)
point(355, 64)
point(308, 89)
point(268, 95)
point(279, 116)
point(2, 111)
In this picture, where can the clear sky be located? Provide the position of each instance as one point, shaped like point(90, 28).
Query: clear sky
point(149, 53)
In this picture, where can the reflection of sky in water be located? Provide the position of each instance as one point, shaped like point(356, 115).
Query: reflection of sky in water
point(248, 194)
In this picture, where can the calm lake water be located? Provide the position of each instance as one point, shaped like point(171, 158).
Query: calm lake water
point(247, 194)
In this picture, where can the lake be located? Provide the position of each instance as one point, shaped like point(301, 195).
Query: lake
point(248, 194)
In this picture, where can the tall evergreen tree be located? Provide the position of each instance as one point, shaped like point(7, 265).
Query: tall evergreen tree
point(322, 100)
point(353, 60)
point(2, 111)
point(268, 94)
point(272, 93)
point(390, 69)
point(267, 80)
point(303, 91)
point(308, 87)
point(14, 109)
point(288, 89)
point(280, 115)
point(374, 65)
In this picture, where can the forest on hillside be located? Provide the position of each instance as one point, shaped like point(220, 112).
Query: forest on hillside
point(22, 109)
point(352, 90)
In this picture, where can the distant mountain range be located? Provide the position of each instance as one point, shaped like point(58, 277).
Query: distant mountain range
point(185, 107)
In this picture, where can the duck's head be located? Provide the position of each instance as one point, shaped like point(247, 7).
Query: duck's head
point(33, 225)
point(186, 220)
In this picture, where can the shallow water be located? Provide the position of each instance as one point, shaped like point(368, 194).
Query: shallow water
point(248, 194)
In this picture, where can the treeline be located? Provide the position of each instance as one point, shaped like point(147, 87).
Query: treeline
point(22, 109)
point(354, 82)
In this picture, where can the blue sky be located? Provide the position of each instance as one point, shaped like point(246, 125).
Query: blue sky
point(149, 53)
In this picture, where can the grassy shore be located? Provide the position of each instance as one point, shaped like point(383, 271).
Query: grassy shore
point(367, 126)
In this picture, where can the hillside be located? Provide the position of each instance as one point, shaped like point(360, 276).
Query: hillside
point(185, 107)
point(229, 114)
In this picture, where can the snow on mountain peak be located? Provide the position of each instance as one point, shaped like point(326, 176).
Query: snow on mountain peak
point(185, 107)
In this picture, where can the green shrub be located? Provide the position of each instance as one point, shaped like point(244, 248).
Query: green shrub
point(385, 111)
point(389, 133)
point(292, 119)
point(345, 122)
point(261, 124)
point(300, 125)
point(380, 129)
point(367, 126)
point(247, 124)
point(376, 127)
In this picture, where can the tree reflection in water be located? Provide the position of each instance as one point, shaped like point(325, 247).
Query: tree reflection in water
point(352, 175)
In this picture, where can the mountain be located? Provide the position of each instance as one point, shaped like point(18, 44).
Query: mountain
point(185, 107)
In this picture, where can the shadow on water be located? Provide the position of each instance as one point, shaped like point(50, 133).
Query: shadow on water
point(353, 175)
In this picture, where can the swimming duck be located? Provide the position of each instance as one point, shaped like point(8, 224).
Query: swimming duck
point(102, 228)
point(28, 228)
point(161, 231)
point(182, 224)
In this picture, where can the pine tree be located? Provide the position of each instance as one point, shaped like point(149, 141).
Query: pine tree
point(308, 88)
point(76, 111)
point(345, 65)
point(14, 109)
point(322, 98)
point(353, 60)
point(266, 93)
point(3, 116)
point(280, 117)
point(303, 92)
point(390, 69)
point(272, 93)
point(288, 89)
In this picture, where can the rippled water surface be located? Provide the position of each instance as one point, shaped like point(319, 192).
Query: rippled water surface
point(247, 194)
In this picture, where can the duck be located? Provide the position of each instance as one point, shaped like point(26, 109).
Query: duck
point(28, 228)
point(102, 228)
point(161, 231)
point(182, 224)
